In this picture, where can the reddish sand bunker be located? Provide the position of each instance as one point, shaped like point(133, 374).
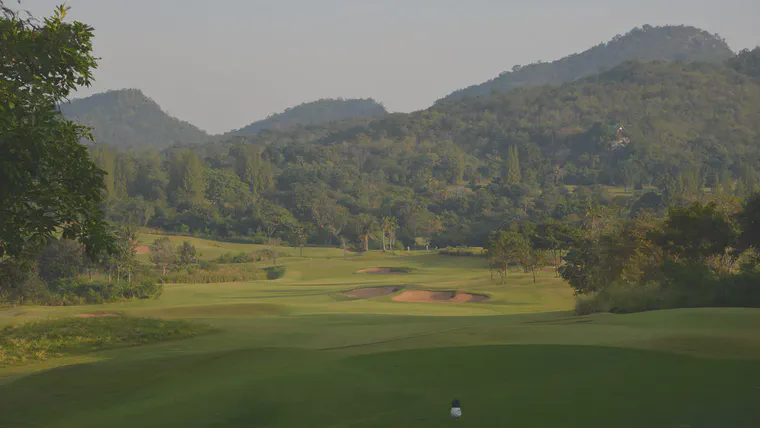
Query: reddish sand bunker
point(380, 271)
point(97, 314)
point(425, 296)
point(143, 249)
point(368, 293)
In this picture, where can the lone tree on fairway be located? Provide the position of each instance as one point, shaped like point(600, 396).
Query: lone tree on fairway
point(270, 254)
point(504, 248)
point(48, 184)
point(186, 254)
point(123, 259)
point(532, 259)
point(557, 238)
point(301, 232)
point(162, 254)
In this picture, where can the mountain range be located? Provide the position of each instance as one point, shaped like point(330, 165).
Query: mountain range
point(130, 119)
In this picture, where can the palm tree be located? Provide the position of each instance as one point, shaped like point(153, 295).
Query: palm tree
point(389, 226)
point(366, 226)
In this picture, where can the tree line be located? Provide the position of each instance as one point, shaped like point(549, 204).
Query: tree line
point(701, 253)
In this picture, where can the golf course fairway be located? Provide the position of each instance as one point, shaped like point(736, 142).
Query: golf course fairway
point(306, 351)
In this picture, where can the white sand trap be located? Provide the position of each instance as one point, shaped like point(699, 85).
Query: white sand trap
point(380, 271)
point(426, 296)
point(370, 292)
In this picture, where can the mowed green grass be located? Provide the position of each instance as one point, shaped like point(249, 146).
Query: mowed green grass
point(295, 352)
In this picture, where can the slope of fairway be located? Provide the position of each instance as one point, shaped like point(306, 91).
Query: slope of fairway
point(526, 386)
point(299, 352)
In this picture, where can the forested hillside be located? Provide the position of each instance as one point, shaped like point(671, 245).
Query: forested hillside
point(129, 119)
point(668, 43)
point(747, 62)
point(316, 113)
point(454, 173)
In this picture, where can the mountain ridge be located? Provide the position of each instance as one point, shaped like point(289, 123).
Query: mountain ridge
point(316, 112)
point(128, 118)
point(672, 42)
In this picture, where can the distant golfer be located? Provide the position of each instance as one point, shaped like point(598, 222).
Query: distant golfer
point(456, 410)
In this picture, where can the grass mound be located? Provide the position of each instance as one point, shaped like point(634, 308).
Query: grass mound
point(41, 340)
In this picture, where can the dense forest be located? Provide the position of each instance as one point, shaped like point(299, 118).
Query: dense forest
point(667, 43)
point(452, 174)
point(316, 113)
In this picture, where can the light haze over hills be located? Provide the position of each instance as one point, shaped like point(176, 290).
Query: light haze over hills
point(129, 118)
point(225, 65)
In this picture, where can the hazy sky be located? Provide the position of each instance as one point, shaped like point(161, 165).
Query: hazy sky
point(222, 64)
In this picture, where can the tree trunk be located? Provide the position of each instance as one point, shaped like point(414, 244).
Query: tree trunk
point(534, 276)
point(383, 241)
point(366, 243)
point(301, 251)
point(163, 269)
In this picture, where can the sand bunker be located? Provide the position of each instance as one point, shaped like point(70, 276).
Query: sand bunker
point(425, 296)
point(382, 271)
point(143, 249)
point(370, 292)
point(97, 314)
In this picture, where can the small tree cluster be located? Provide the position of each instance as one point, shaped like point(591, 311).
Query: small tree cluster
point(164, 255)
point(527, 246)
point(702, 254)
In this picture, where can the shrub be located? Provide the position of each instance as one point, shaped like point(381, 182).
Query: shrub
point(684, 287)
point(230, 258)
point(210, 266)
point(275, 272)
point(623, 299)
point(78, 291)
point(462, 252)
point(41, 340)
point(221, 274)
point(149, 289)
point(20, 284)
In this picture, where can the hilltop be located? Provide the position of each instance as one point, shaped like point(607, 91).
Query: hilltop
point(128, 118)
point(667, 43)
point(316, 113)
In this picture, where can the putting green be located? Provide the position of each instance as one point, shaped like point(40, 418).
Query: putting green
point(296, 352)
